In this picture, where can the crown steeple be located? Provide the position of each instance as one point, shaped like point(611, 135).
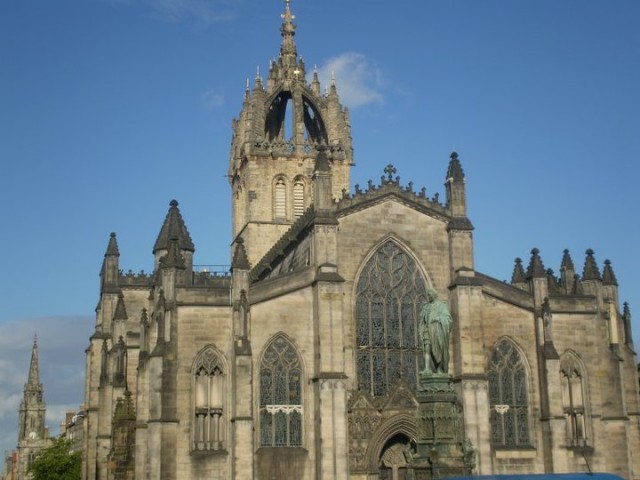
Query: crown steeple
point(277, 137)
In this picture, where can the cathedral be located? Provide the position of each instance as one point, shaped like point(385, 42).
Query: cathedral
point(304, 359)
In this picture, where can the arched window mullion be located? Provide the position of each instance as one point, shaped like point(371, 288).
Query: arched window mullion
point(508, 397)
point(391, 285)
point(281, 374)
point(209, 390)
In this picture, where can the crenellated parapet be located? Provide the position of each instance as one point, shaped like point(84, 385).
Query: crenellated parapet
point(390, 185)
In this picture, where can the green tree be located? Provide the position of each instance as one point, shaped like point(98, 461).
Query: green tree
point(57, 462)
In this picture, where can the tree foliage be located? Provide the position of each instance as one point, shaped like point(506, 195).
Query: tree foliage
point(57, 462)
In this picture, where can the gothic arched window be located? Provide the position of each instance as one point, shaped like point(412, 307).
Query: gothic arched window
point(280, 396)
point(573, 404)
point(298, 198)
point(508, 396)
point(209, 386)
point(280, 199)
point(390, 293)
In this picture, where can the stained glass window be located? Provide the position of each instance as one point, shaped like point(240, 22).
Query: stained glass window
point(508, 396)
point(391, 290)
point(280, 396)
point(209, 393)
point(573, 405)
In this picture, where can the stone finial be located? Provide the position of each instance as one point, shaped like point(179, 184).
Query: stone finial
point(112, 247)
point(552, 282)
point(120, 312)
point(144, 317)
point(240, 260)
point(173, 225)
point(518, 275)
point(454, 171)
point(567, 262)
point(590, 271)
point(536, 267)
point(608, 277)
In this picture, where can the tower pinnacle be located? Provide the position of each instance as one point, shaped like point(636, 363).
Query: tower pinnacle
point(34, 372)
point(288, 51)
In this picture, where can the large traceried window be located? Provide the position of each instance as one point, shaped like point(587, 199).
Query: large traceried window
point(209, 393)
point(508, 396)
point(573, 405)
point(280, 199)
point(280, 396)
point(390, 292)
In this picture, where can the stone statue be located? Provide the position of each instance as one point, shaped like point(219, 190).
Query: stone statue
point(434, 329)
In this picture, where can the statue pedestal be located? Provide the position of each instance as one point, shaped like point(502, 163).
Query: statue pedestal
point(441, 448)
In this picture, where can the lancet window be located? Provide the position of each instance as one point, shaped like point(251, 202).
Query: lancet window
point(508, 396)
point(281, 406)
point(209, 384)
point(390, 292)
point(280, 199)
point(298, 198)
point(573, 404)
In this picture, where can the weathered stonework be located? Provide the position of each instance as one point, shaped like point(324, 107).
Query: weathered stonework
point(313, 355)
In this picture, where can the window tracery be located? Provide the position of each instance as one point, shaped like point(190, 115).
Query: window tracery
point(209, 382)
point(573, 405)
point(281, 406)
point(390, 292)
point(508, 396)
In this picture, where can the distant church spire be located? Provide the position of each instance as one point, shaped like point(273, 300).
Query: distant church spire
point(34, 372)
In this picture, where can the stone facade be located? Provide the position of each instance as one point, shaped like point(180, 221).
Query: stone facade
point(302, 361)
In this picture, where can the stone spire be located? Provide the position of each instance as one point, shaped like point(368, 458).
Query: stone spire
point(567, 273)
point(240, 260)
point(536, 268)
point(455, 172)
point(34, 369)
point(567, 263)
point(518, 277)
point(110, 271)
point(590, 271)
point(288, 51)
point(173, 224)
point(608, 277)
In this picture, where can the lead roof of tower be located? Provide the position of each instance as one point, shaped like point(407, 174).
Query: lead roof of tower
point(173, 225)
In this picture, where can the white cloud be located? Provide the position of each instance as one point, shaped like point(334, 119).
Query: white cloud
point(212, 100)
point(61, 345)
point(359, 82)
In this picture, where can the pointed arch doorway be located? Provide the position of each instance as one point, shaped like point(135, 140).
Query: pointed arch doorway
point(394, 458)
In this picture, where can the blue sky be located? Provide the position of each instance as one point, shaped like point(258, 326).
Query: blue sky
point(111, 108)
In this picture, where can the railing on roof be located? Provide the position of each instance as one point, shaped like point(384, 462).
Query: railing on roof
point(213, 270)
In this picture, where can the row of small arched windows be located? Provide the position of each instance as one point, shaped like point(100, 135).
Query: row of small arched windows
point(281, 200)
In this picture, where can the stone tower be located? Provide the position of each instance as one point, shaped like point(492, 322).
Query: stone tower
point(275, 142)
point(32, 435)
